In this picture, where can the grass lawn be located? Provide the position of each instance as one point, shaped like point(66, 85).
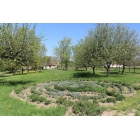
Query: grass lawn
point(10, 106)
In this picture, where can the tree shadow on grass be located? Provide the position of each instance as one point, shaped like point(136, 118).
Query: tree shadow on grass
point(86, 75)
point(11, 74)
point(5, 75)
point(90, 75)
point(14, 83)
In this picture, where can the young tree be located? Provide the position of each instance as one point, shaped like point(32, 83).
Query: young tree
point(91, 51)
point(63, 52)
point(79, 58)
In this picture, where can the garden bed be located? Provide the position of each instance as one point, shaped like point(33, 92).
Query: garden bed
point(80, 97)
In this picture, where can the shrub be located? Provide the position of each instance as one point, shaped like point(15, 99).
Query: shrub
point(131, 89)
point(34, 97)
point(37, 92)
point(119, 86)
point(59, 88)
point(18, 90)
point(68, 103)
point(41, 99)
point(24, 86)
point(110, 93)
point(119, 97)
point(111, 100)
point(64, 101)
point(84, 107)
point(102, 101)
point(32, 89)
point(47, 102)
point(61, 100)
point(136, 87)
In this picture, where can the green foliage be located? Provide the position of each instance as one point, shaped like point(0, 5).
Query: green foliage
point(37, 92)
point(32, 89)
point(110, 93)
point(136, 87)
point(34, 97)
point(63, 52)
point(64, 101)
point(59, 88)
point(47, 102)
point(42, 99)
point(20, 89)
point(84, 107)
point(119, 97)
point(111, 100)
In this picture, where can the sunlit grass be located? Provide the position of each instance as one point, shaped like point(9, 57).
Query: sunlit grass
point(10, 106)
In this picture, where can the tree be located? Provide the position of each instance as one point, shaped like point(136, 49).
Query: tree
point(79, 58)
point(63, 52)
point(19, 43)
point(104, 37)
point(126, 44)
point(91, 51)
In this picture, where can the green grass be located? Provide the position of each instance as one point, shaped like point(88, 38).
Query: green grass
point(129, 104)
point(10, 106)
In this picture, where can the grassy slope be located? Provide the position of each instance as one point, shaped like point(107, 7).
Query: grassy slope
point(13, 107)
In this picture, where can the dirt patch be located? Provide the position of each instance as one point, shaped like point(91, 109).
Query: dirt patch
point(109, 113)
point(69, 112)
point(126, 90)
point(106, 104)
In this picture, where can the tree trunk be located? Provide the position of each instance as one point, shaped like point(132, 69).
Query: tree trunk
point(86, 68)
point(107, 67)
point(66, 66)
point(93, 70)
point(14, 71)
point(134, 70)
point(22, 70)
point(119, 69)
point(28, 69)
point(129, 69)
point(36, 69)
point(108, 72)
point(61, 65)
point(123, 69)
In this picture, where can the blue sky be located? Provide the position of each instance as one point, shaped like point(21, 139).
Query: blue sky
point(54, 32)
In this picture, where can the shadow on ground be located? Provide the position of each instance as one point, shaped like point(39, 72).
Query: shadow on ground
point(82, 74)
point(14, 83)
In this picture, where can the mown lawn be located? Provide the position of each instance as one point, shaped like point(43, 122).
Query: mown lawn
point(10, 106)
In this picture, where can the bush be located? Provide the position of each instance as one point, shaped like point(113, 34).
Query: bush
point(111, 100)
point(34, 97)
point(64, 101)
point(110, 93)
point(18, 90)
point(136, 87)
point(47, 102)
point(102, 101)
point(41, 99)
point(131, 89)
point(37, 92)
point(119, 97)
point(59, 88)
point(32, 89)
point(85, 107)
point(61, 100)
point(121, 89)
